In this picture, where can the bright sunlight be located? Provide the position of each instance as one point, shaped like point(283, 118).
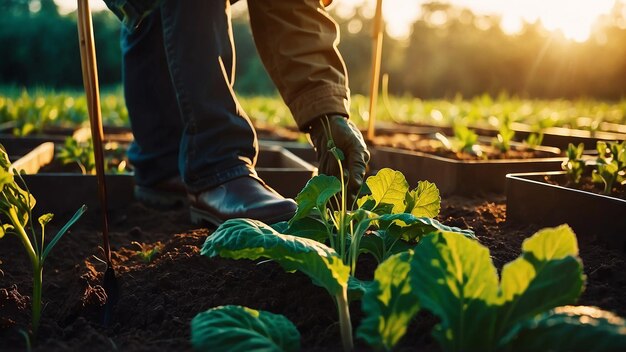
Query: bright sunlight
point(574, 18)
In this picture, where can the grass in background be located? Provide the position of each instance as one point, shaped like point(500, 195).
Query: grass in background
point(30, 111)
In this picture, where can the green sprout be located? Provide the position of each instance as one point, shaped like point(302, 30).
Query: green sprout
point(145, 253)
point(574, 165)
point(81, 153)
point(610, 165)
point(16, 205)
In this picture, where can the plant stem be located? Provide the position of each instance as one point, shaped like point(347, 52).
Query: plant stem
point(23, 237)
point(342, 213)
point(37, 286)
point(37, 269)
point(345, 325)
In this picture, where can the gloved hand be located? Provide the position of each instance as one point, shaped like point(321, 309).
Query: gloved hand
point(348, 138)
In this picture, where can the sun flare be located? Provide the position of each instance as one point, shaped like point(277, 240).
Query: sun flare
point(574, 19)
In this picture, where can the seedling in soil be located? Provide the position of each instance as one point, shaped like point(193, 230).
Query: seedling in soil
point(397, 217)
point(145, 253)
point(610, 165)
point(574, 166)
point(534, 140)
point(526, 309)
point(505, 135)
point(81, 153)
point(464, 141)
point(16, 205)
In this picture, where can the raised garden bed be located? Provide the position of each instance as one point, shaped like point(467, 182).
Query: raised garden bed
point(558, 137)
point(61, 187)
point(542, 198)
point(159, 298)
point(462, 177)
point(283, 170)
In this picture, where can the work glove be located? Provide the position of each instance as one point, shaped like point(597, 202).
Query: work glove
point(346, 137)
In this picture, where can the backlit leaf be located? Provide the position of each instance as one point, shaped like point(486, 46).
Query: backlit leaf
point(390, 304)
point(569, 328)
point(251, 239)
point(424, 200)
point(390, 187)
point(454, 278)
point(316, 193)
point(241, 329)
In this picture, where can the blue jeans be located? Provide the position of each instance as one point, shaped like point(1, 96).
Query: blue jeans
point(178, 73)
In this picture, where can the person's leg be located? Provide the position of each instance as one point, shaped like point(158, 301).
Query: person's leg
point(218, 142)
point(219, 145)
point(151, 102)
point(297, 42)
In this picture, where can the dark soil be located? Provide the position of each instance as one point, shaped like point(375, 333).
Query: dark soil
point(586, 184)
point(158, 299)
point(429, 145)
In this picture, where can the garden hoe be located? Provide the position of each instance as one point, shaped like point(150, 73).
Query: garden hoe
point(90, 81)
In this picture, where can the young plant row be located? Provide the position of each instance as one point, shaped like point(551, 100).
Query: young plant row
point(423, 264)
point(609, 167)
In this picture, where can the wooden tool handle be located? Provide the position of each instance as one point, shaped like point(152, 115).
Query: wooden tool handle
point(92, 91)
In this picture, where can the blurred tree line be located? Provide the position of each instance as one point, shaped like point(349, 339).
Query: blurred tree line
point(450, 51)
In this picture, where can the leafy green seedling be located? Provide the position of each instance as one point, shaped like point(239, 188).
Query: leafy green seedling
point(534, 139)
point(80, 153)
point(505, 135)
point(574, 166)
point(145, 253)
point(251, 239)
point(16, 205)
point(526, 309)
point(610, 165)
point(464, 141)
point(241, 329)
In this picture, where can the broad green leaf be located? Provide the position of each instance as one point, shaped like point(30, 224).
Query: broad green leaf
point(424, 200)
point(381, 245)
point(390, 304)
point(546, 275)
point(390, 187)
point(307, 227)
point(357, 288)
point(551, 243)
point(454, 278)
point(568, 328)
point(280, 227)
point(411, 228)
point(251, 239)
point(236, 328)
point(316, 193)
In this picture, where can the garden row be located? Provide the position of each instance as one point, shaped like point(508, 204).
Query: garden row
point(558, 182)
point(421, 265)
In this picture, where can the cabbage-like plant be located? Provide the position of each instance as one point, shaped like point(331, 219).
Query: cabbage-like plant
point(528, 308)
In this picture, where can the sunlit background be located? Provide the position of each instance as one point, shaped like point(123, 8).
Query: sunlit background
point(575, 19)
point(433, 49)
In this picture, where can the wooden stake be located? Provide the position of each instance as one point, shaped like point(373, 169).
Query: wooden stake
point(377, 50)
